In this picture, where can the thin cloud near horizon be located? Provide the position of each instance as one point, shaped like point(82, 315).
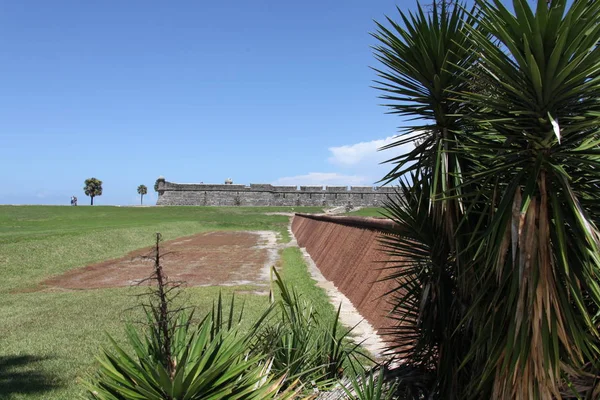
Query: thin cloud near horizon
point(358, 164)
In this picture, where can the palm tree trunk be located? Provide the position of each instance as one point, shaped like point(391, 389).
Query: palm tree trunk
point(92, 200)
point(141, 199)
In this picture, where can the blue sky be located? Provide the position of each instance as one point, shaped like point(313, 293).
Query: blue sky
point(263, 91)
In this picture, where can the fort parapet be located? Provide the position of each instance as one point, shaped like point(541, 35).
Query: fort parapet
point(199, 194)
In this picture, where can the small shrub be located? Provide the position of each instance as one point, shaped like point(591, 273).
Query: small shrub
point(302, 345)
point(204, 365)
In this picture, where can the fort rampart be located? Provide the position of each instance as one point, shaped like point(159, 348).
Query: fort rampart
point(199, 194)
point(348, 253)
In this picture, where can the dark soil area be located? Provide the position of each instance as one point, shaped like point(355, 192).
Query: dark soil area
point(213, 258)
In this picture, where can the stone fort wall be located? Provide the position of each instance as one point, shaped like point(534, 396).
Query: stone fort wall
point(198, 194)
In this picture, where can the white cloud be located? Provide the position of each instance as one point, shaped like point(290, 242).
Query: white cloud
point(355, 164)
point(323, 178)
point(353, 154)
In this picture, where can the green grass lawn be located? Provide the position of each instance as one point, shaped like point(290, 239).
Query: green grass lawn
point(48, 340)
point(367, 212)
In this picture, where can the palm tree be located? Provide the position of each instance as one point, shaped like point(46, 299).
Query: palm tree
point(499, 259)
point(92, 188)
point(142, 190)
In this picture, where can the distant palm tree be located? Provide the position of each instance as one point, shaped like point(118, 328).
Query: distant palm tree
point(92, 188)
point(142, 190)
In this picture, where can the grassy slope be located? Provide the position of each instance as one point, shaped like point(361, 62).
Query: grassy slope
point(48, 340)
point(295, 273)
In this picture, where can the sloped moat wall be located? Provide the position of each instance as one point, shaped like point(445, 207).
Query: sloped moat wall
point(347, 252)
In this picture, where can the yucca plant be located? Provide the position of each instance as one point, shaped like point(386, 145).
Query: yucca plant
point(428, 57)
point(303, 344)
point(208, 363)
point(429, 333)
point(369, 386)
point(522, 205)
point(538, 145)
point(174, 358)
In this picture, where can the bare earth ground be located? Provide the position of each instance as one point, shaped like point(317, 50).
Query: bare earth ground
point(211, 259)
point(206, 259)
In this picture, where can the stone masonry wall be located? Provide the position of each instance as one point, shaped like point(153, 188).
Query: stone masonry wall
point(179, 194)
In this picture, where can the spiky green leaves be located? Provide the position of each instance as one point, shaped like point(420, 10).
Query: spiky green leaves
point(542, 241)
point(212, 360)
point(424, 59)
point(514, 182)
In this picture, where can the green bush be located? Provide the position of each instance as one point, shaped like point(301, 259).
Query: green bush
point(210, 360)
point(303, 344)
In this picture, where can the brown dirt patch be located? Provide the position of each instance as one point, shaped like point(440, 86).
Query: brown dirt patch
point(207, 259)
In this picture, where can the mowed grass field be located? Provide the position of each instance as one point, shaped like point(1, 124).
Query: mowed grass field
point(48, 339)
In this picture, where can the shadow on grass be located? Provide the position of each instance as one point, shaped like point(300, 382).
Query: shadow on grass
point(24, 375)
